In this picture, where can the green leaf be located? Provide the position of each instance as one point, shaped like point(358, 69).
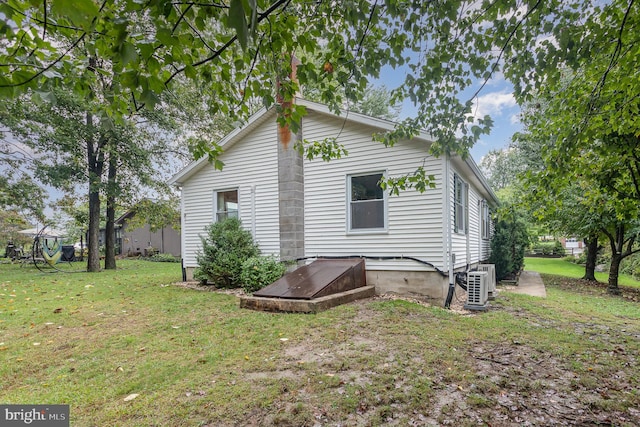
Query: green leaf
point(46, 96)
point(129, 53)
point(237, 20)
point(80, 12)
point(149, 98)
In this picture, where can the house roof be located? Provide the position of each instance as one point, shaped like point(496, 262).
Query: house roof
point(384, 125)
point(128, 214)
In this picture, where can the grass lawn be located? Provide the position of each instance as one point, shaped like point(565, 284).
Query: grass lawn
point(193, 358)
point(558, 267)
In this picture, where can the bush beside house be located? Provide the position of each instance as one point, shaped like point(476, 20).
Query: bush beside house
point(258, 272)
point(508, 245)
point(225, 247)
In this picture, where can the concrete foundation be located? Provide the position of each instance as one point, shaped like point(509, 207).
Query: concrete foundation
point(189, 273)
point(429, 284)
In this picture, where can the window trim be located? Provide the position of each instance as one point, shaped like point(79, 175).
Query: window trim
point(485, 220)
point(464, 204)
point(215, 202)
point(385, 206)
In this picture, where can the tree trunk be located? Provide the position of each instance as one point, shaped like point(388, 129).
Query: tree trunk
point(614, 270)
point(93, 237)
point(592, 255)
point(95, 168)
point(110, 230)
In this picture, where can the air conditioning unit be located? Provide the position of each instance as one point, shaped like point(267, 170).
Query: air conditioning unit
point(477, 290)
point(491, 270)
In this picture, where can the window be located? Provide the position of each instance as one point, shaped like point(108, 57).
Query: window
point(460, 196)
point(226, 205)
point(366, 203)
point(486, 220)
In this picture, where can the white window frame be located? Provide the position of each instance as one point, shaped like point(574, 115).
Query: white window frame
point(216, 212)
point(385, 204)
point(485, 220)
point(460, 205)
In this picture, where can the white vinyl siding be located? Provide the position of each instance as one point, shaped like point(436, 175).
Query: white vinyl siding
point(469, 247)
point(250, 166)
point(473, 227)
point(416, 224)
point(414, 220)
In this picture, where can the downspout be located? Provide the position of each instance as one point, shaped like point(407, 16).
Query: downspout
point(182, 233)
point(468, 226)
point(480, 213)
point(446, 223)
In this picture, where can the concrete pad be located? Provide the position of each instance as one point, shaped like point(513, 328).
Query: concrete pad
point(306, 306)
point(530, 283)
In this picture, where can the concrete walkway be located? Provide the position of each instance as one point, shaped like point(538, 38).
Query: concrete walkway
point(530, 283)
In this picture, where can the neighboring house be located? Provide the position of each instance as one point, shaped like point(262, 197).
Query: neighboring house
point(139, 241)
point(299, 209)
point(572, 245)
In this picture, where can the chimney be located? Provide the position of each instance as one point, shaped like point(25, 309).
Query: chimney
point(290, 184)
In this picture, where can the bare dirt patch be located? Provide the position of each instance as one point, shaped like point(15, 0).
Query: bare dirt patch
point(357, 373)
point(505, 383)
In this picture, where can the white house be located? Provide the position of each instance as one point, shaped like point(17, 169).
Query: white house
point(299, 209)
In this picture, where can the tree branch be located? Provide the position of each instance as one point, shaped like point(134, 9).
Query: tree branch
point(44, 26)
point(595, 94)
point(48, 67)
point(620, 238)
point(503, 49)
point(191, 3)
point(364, 34)
point(612, 240)
point(632, 172)
point(180, 18)
point(224, 47)
point(44, 22)
point(202, 39)
point(630, 243)
point(253, 64)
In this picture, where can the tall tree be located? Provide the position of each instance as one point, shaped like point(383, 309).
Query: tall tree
point(238, 46)
point(11, 222)
point(447, 52)
point(74, 147)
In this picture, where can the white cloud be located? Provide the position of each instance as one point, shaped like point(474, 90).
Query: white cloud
point(493, 104)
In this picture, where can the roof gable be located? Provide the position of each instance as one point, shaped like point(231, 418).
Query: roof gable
point(382, 124)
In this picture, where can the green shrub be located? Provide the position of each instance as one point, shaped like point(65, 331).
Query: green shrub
point(224, 248)
point(163, 258)
point(548, 248)
point(558, 249)
point(582, 258)
point(508, 244)
point(631, 266)
point(258, 272)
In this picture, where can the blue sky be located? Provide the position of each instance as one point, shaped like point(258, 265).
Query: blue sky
point(496, 100)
